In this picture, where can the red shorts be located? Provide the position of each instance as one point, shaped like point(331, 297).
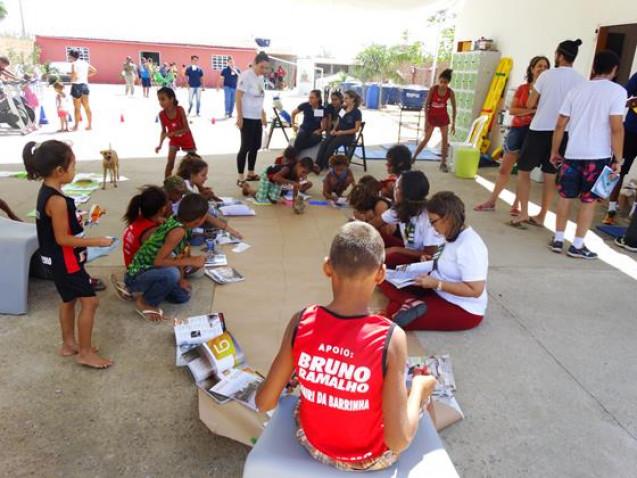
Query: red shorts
point(185, 143)
point(62, 114)
point(438, 120)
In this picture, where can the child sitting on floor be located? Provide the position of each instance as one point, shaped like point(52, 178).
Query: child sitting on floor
point(362, 358)
point(279, 175)
point(156, 271)
point(338, 178)
point(399, 160)
point(368, 205)
point(176, 188)
point(410, 214)
point(194, 171)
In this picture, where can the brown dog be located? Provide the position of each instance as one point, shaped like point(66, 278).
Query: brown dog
point(110, 163)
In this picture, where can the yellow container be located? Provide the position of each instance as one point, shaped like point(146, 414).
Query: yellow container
point(467, 160)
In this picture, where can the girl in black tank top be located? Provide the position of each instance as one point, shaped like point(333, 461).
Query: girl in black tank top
point(61, 249)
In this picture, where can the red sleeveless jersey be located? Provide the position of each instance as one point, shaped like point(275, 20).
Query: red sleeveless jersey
point(132, 235)
point(185, 141)
point(340, 365)
point(438, 105)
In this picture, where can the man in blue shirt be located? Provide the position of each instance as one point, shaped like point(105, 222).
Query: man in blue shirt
point(630, 147)
point(195, 86)
point(230, 74)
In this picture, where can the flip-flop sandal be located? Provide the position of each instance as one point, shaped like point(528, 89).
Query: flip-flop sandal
point(483, 208)
point(145, 314)
point(253, 177)
point(409, 311)
point(120, 289)
point(514, 211)
point(533, 222)
point(516, 225)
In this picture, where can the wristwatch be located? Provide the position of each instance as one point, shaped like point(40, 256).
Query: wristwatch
point(439, 286)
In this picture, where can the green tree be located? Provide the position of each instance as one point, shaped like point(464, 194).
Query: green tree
point(444, 20)
point(3, 11)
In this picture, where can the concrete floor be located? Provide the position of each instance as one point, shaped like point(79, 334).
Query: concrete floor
point(547, 382)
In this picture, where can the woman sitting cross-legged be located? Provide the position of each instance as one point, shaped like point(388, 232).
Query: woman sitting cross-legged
point(347, 126)
point(453, 296)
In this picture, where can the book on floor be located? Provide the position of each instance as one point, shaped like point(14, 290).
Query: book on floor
point(227, 201)
point(223, 275)
point(224, 237)
point(194, 331)
point(216, 259)
point(237, 210)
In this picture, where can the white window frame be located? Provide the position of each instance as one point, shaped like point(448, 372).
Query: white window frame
point(215, 59)
point(85, 53)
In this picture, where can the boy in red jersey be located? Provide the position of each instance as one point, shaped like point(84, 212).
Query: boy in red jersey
point(354, 412)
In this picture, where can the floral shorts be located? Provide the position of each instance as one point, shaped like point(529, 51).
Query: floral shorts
point(577, 178)
point(381, 462)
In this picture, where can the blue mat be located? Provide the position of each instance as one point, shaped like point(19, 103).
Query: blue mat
point(380, 152)
point(612, 231)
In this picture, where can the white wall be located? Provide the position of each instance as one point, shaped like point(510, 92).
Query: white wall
point(523, 29)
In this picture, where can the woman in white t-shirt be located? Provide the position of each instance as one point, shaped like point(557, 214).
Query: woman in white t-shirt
point(453, 296)
point(250, 116)
point(80, 73)
point(409, 213)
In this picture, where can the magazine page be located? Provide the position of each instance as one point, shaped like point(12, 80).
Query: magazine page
point(237, 210)
point(240, 385)
point(194, 331)
point(224, 353)
point(440, 368)
point(223, 275)
point(401, 279)
point(216, 259)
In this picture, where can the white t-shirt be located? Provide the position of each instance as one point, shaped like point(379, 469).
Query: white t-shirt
point(190, 187)
point(81, 68)
point(464, 260)
point(553, 86)
point(253, 90)
point(417, 233)
point(589, 106)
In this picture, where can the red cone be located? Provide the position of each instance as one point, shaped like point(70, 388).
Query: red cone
point(121, 118)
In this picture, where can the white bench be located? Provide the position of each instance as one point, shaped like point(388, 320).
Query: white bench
point(278, 454)
point(18, 242)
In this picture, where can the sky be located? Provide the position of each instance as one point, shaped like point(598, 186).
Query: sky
point(305, 27)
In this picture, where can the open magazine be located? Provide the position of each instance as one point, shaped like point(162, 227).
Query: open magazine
point(194, 331)
point(237, 210)
point(223, 275)
point(405, 276)
point(216, 259)
point(446, 410)
point(239, 384)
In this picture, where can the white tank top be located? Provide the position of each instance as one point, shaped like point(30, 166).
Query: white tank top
point(81, 68)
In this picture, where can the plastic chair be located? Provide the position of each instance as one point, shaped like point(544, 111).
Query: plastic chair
point(278, 454)
point(473, 139)
point(18, 242)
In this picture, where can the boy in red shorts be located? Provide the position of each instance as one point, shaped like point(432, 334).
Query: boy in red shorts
point(594, 111)
point(354, 412)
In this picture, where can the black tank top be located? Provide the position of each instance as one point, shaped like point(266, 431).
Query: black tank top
point(66, 260)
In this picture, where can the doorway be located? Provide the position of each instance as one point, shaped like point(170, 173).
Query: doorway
point(622, 39)
point(152, 55)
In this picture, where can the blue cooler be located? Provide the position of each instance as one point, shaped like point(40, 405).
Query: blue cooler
point(413, 97)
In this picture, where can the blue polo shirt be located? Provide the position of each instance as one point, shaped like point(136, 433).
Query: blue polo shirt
point(230, 77)
point(630, 123)
point(348, 120)
point(311, 120)
point(194, 74)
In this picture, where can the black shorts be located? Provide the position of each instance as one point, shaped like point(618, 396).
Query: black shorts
point(630, 151)
point(79, 89)
point(146, 82)
point(536, 151)
point(73, 286)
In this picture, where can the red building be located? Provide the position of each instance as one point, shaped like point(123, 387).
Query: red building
point(108, 56)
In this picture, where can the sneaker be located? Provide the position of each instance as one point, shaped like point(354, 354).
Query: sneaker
point(581, 253)
point(609, 219)
point(621, 242)
point(556, 246)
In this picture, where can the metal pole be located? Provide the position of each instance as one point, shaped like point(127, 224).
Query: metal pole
point(24, 31)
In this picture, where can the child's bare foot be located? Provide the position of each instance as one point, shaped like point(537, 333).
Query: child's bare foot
point(68, 350)
point(89, 128)
point(91, 359)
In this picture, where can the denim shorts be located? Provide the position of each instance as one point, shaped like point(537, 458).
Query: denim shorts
point(515, 139)
point(79, 89)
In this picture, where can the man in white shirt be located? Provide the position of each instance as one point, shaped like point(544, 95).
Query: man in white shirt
point(547, 95)
point(594, 111)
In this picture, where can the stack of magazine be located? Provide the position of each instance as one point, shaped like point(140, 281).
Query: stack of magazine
point(215, 360)
point(447, 411)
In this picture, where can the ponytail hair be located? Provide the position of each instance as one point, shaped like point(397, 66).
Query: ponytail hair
point(355, 97)
point(148, 203)
point(41, 160)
